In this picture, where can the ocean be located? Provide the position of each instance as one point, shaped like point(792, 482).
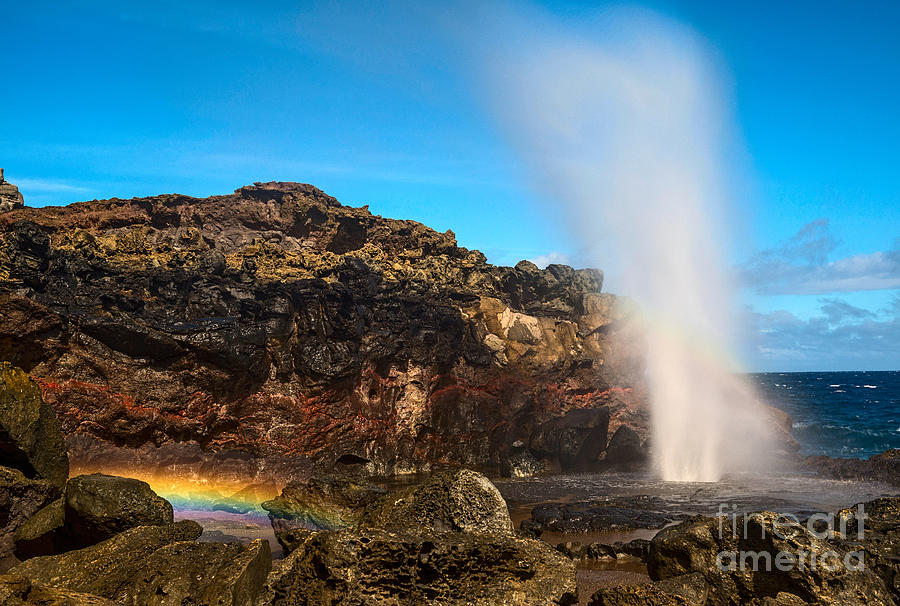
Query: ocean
point(839, 414)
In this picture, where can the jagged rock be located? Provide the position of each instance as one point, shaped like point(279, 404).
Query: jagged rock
point(624, 513)
point(44, 533)
point(319, 503)
point(98, 506)
point(30, 437)
point(18, 590)
point(277, 323)
point(636, 548)
point(93, 508)
point(573, 441)
point(377, 567)
point(20, 498)
point(880, 537)
point(520, 462)
point(684, 590)
point(458, 501)
point(625, 449)
point(158, 566)
point(883, 467)
point(10, 197)
point(705, 546)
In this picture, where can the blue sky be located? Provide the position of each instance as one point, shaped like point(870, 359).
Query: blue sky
point(382, 107)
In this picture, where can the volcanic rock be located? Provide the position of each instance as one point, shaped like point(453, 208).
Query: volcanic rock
point(277, 323)
point(697, 546)
point(625, 513)
point(883, 467)
point(10, 198)
point(625, 449)
point(20, 498)
point(684, 590)
point(156, 566)
point(18, 590)
point(378, 567)
point(98, 506)
point(30, 437)
point(457, 501)
point(319, 503)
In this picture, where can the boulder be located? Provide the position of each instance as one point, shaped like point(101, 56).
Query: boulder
point(742, 565)
point(20, 498)
point(44, 533)
point(573, 441)
point(378, 567)
point(98, 506)
point(18, 590)
point(519, 462)
point(685, 590)
point(320, 503)
point(880, 537)
point(625, 449)
point(158, 566)
point(30, 436)
point(459, 501)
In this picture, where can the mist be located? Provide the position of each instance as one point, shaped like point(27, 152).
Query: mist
point(621, 124)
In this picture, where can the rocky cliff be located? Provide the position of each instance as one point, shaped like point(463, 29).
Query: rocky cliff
point(275, 328)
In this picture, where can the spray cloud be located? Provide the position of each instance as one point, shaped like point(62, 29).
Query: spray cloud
point(623, 123)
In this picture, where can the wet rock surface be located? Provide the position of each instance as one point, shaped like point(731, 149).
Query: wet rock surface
point(883, 467)
point(277, 323)
point(621, 513)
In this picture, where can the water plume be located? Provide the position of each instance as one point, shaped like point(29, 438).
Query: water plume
point(621, 122)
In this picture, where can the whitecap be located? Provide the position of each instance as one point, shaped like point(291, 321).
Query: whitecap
point(870, 386)
point(834, 386)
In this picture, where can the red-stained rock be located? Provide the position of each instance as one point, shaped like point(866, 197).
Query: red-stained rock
point(276, 324)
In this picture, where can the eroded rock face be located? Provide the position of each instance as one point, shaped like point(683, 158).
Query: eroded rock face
point(158, 566)
point(10, 197)
point(455, 501)
point(93, 508)
point(883, 467)
point(697, 546)
point(278, 323)
point(380, 567)
point(319, 503)
point(30, 437)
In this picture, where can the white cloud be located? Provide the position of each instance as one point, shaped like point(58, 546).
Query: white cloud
point(543, 261)
point(801, 266)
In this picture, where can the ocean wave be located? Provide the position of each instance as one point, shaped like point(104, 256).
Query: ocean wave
point(870, 386)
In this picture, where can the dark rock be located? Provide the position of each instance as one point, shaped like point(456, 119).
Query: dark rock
point(880, 537)
point(519, 462)
point(883, 467)
point(158, 565)
point(625, 449)
point(44, 533)
point(279, 324)
point(575, 440)
point(320, 503)
point(18, 590)
point(98, 506)
point(626, 513)
point(458, 501)
point(20, 498)
point(379, 567)
point(685, 590)
point(695, 545)
point(30, 437)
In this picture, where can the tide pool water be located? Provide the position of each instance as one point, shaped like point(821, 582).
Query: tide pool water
point(839, 414)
